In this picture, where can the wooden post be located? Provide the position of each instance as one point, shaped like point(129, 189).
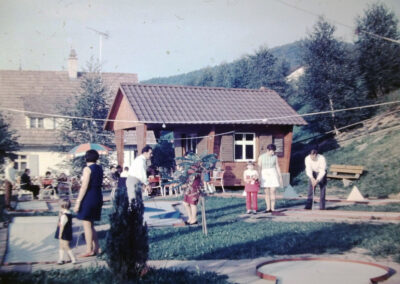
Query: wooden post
point(119, 143)
point(141, 133)
point(210, 141)
point(203, 215)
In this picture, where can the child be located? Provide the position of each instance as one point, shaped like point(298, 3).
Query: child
point(252, 186)
point(64, 231)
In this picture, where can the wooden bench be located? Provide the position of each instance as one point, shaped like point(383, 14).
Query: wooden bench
point(345, 171)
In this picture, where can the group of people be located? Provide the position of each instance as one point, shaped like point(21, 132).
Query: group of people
point(270, 178)
point(89, 202)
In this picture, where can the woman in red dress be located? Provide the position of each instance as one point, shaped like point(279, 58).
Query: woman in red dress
point(191, 198)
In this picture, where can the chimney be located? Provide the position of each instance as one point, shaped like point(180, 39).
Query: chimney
point(73, 65)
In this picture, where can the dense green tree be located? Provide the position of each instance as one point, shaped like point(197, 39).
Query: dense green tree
point(240, 73)
point(90, 104)
point(261, 68)
point(206, 78)
point(163, 152)
point(223, 76)
point(331, 80)
point(8, 140)
point(379, 59)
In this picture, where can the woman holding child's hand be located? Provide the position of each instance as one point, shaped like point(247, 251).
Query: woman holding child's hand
point(90, 200)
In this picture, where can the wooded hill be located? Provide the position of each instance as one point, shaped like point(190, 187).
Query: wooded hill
point(337, 75)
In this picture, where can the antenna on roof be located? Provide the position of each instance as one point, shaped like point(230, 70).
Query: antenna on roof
point(101, 34)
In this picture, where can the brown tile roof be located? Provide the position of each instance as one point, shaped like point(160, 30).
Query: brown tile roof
point(208, 105)
point(44, 91)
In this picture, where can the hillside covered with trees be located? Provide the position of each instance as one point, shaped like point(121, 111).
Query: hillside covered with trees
point(337, 75)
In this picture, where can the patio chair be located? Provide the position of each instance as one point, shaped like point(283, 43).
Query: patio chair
point(64, 189)
point(217, 178)
point(155, 183)
point(172, 189)
point(47, 192)
point(23, 195)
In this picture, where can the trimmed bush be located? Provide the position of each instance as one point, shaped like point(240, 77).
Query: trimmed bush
point(127, 241)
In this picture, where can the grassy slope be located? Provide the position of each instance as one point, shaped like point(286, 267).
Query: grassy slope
point(372, 147)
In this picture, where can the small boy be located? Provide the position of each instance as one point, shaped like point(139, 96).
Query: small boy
point(64, 231)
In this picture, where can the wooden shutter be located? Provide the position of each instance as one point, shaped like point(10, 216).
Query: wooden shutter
point(226, 149)
point(265, 140)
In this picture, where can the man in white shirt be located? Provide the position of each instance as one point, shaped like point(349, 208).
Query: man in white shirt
point(9, 182)
point(316, 173)
point(137, 175)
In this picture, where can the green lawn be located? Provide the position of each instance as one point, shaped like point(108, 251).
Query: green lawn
point(230, 237)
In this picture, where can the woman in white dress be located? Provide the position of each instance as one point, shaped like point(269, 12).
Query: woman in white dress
point(271, 177)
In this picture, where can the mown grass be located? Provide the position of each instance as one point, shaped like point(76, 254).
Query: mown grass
point(230, 237)
point(100, 275)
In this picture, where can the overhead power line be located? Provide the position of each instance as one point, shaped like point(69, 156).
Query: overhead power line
point(255, 120)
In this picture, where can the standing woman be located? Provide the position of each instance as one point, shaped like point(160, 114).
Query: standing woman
point(271, 177)
point(90, 200)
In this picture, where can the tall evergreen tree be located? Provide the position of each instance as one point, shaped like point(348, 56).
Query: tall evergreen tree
point(88, 105)
point(331, 80)
point(8, 140)
point(206, 78)
point(223, 76)
point(379, 59)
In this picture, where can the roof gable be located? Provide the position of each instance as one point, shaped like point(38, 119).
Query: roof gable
point(43, 92)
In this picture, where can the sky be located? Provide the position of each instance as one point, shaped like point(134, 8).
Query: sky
point(158, 38)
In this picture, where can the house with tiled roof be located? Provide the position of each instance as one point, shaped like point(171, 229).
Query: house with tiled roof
point(29, 98)
point(235, 124)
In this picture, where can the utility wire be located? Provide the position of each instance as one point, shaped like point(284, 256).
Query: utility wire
point(265, 119)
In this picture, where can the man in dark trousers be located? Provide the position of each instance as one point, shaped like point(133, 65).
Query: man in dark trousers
point(316, 173)
point(27, 184)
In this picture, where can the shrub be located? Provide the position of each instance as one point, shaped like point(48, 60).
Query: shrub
point(127, 241)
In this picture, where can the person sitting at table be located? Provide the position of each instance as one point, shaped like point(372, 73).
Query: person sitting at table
point(62, 183)
point(27, 184)
point(47, 181)
point(153, 178)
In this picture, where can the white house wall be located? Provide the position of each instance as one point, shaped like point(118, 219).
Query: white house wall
point(39, 161)
point(46, 161)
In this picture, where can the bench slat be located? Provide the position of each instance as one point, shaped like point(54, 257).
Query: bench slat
point(350, 171)
point(347, 167)
point(343, 176)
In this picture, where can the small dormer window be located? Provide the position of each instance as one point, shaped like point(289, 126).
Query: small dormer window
point(36, 122)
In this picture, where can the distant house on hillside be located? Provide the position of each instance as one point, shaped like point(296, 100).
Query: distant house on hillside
point(29, 95)
point(235, 124)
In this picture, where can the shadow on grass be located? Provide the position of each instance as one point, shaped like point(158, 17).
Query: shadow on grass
point(103, 275)
point(335, 238)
